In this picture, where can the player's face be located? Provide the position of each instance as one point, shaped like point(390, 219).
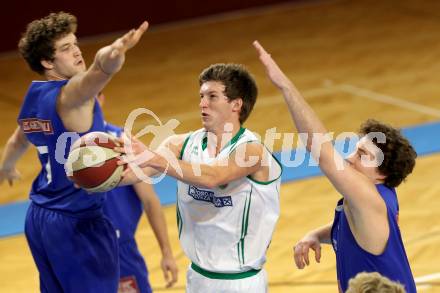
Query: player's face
point(68, 59)
point(215, 108)
point(365, 159)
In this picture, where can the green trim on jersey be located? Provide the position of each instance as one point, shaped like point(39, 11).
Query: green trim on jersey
point(235, 139)
point(278, 162)
point(244, 227)
point(204, 142)
point(183, 147)
point(224, 276)
point(232, 142)
point(268, 182)
point(179, 220)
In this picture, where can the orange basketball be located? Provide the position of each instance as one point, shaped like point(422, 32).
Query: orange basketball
point(92, 162)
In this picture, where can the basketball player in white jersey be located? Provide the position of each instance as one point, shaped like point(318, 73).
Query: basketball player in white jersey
point(228, 186)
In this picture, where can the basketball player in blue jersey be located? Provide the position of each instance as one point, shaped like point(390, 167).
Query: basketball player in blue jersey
point(365, 232)
point(73, 244)
point(124, 207)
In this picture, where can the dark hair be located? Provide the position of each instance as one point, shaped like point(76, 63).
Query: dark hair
point(238, 83)
point(399, 156)
point(37, 43)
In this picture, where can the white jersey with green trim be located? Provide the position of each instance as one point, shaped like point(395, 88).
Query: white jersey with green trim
point(227, 229)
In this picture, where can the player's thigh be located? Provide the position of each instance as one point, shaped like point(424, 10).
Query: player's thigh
point(134, 272)
point(83, 253)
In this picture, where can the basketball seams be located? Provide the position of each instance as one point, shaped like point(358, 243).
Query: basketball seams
point(92, 162)
point(86, 176)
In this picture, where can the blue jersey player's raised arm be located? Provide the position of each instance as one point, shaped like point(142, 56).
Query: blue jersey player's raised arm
point(74, 246)
point(365, 233)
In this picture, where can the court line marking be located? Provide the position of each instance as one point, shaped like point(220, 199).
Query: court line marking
point(387, 99)
point(329, 89)
point(424, 279)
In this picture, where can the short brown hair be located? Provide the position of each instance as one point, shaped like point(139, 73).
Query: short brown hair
point(373, 283)
point(238, 83)
point(399, 156)
point(37, 43)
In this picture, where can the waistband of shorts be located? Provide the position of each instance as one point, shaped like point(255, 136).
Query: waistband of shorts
point(224, 276)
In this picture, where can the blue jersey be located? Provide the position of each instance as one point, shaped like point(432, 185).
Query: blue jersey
point(123, 206)
point(43, 127)
point(351, 259)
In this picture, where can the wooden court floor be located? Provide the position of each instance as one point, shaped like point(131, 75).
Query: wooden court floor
point(352, 60)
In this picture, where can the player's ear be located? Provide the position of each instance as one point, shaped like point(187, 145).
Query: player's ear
point(237, 104)
point(47, 64)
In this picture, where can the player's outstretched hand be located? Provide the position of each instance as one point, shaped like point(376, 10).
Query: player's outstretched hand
point(273, 71)
point(134, 151)
point(301, 250)
point(9, 175)
point(111, 58)
point(128, 41)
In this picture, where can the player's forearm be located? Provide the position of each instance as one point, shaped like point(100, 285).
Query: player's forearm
point(323, 233)
point(305, 118)
point(13, 151)
point(158, 224)
point(201, 175)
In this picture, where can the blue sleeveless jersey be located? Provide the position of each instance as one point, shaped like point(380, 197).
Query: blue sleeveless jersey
point(123, 206)
point(42, 126)
point(351, 259)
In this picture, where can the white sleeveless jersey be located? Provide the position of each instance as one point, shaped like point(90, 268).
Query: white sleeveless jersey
point(227, 229)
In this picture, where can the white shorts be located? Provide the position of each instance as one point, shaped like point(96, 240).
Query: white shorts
point(197, 283)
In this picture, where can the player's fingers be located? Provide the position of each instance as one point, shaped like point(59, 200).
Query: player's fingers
point(119, 149)
point(135, 140)
point(119, 140)
point(166, 276)
point(318, 254)
point(174, 274)
point(305, 252)
point(260, 48)
point(134, 36)
point(127, 138)
point(143, 27)
point(297, 256)
point(122, 160)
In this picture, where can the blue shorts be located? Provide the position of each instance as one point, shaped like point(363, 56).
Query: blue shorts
point(134, 272)
point(73, 254)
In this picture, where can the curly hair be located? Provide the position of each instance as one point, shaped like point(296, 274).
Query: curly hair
point(399, 156)
point(37, 43)
point(373, 283)
point(238, 83)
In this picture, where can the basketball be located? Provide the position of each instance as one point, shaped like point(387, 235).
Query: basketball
point(92, 162)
